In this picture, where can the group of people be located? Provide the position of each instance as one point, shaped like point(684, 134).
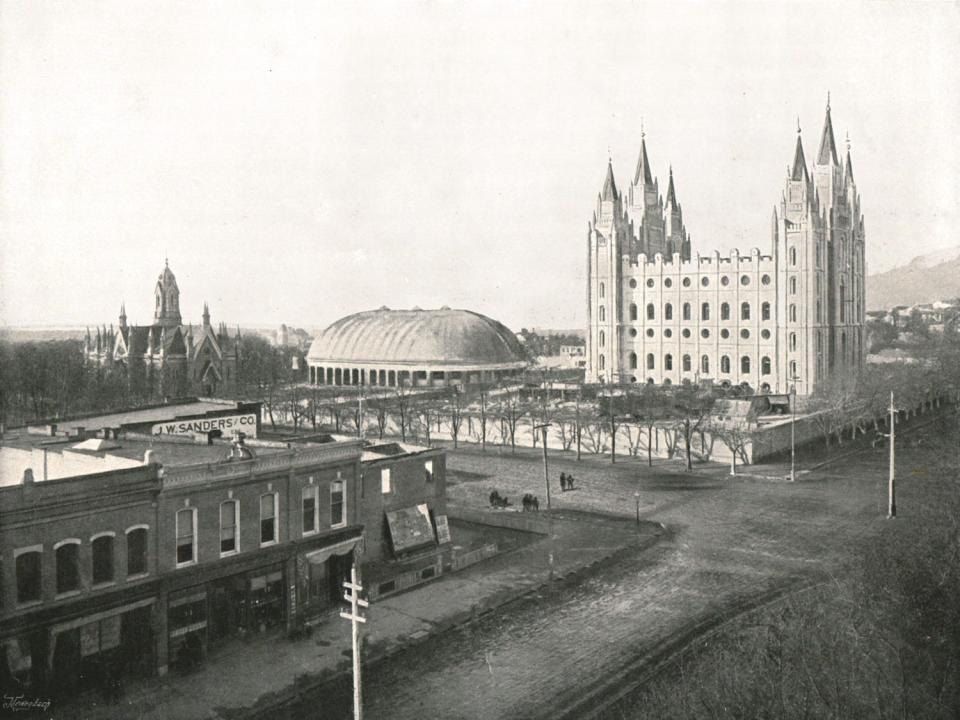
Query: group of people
point(566, 482)
point(497, 500)
point(531, 503)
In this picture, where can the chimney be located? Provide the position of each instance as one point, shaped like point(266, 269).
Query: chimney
point(28, 476)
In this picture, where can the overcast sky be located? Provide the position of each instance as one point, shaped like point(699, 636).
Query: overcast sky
point(298, 161)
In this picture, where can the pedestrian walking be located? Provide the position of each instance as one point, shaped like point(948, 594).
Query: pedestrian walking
point(563, 482)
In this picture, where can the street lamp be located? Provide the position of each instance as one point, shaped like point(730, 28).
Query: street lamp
point(636, 497)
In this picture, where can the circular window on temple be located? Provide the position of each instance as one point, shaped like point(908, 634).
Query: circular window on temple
point(744, 279)
point(765, 279)
point(765, 334)
point(668, 333)
point(650, 282)
point(686, 282)
point(633, 332)
point(633, 283)
point(668, 282)
point(705, 281)
point(649, 332)
point(745, 334)
point(724, 333)
point(724, 281)
point(705, 333)
point(686, 332)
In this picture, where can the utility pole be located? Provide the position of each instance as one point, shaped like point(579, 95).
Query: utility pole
point(360, 411)
point(353, 597)
point(546, 472)
point(793, 429)
point(891, 490)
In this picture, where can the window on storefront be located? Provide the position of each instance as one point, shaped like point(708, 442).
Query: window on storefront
point(428, 470)
point(337, 511)
point(68, 566)
point(186, 536)
point(308, 501)
point(136, 551)
point(229, 542)
point(268, 518)
point(28, 576)
point(102, 559)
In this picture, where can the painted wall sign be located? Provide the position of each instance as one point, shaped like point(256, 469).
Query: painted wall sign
point(227, 425)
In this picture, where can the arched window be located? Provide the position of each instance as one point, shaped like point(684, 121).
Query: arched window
point(68, 566)
point(650, 361)
point(602, 362)
point(603, 339)
point(843, 346)
point(136, 551)
point(229, 513)
point(668, 362)
point(29, 577)
point(793, 369)
point(602, 314)
point(793, 286)
point(602, 288)
point(793, 256)
point(705, 364)
point(765, 366)
point(745, 311)
point(793, 313)
point(633, 361)
point(725, 364)
point(705, 311)
point(793, 341)
point(651, 311)
point(668, 312)
point(102, 559)
point(765, 311)
point(633, 311)
point(686, 311)
point(725, 311)
point(745, 365)
point(686, 363)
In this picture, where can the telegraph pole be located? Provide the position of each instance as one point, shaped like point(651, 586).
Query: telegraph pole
point(793, 429)
point(353, 597)
point(891, 489)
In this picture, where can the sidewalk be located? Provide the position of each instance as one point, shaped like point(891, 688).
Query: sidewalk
point(265, 672)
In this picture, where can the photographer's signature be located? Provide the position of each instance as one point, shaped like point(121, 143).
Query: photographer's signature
point(17, 703)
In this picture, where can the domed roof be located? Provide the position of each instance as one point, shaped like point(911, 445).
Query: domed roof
point(434, 337)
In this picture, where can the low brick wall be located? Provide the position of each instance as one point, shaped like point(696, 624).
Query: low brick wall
point(458, 562)
point(532, 522)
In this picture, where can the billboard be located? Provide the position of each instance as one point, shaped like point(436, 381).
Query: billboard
point(227, 425)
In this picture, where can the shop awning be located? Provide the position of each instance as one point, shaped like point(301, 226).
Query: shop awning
point(410, 527)
point(318, 557)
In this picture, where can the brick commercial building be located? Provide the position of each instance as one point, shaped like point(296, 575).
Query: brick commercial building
point(131, 552)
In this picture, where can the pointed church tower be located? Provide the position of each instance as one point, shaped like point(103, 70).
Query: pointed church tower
point(675, 233)
point(206, 316)
point(644, 206)
point(167, 294)
point(123, 316)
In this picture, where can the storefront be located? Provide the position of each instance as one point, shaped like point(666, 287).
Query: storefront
point(321, 576)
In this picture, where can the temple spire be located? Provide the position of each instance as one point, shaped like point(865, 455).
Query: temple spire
point(671, 194)
point(799, 169)
point(828, 146)
point(643, 164)
point(609, 184)
point(848, 170)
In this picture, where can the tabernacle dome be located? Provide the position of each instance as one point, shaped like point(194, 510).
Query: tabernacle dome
point(415, 348)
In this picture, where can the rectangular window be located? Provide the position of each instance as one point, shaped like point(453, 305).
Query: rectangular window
point(103, 559)
point(337, 510)
point(309, 502)
point(428, 470)
point(28, 577)
point(186, 536)
point(228, 527)
point(385, 486)
point(268, 519)
point(137, 551)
